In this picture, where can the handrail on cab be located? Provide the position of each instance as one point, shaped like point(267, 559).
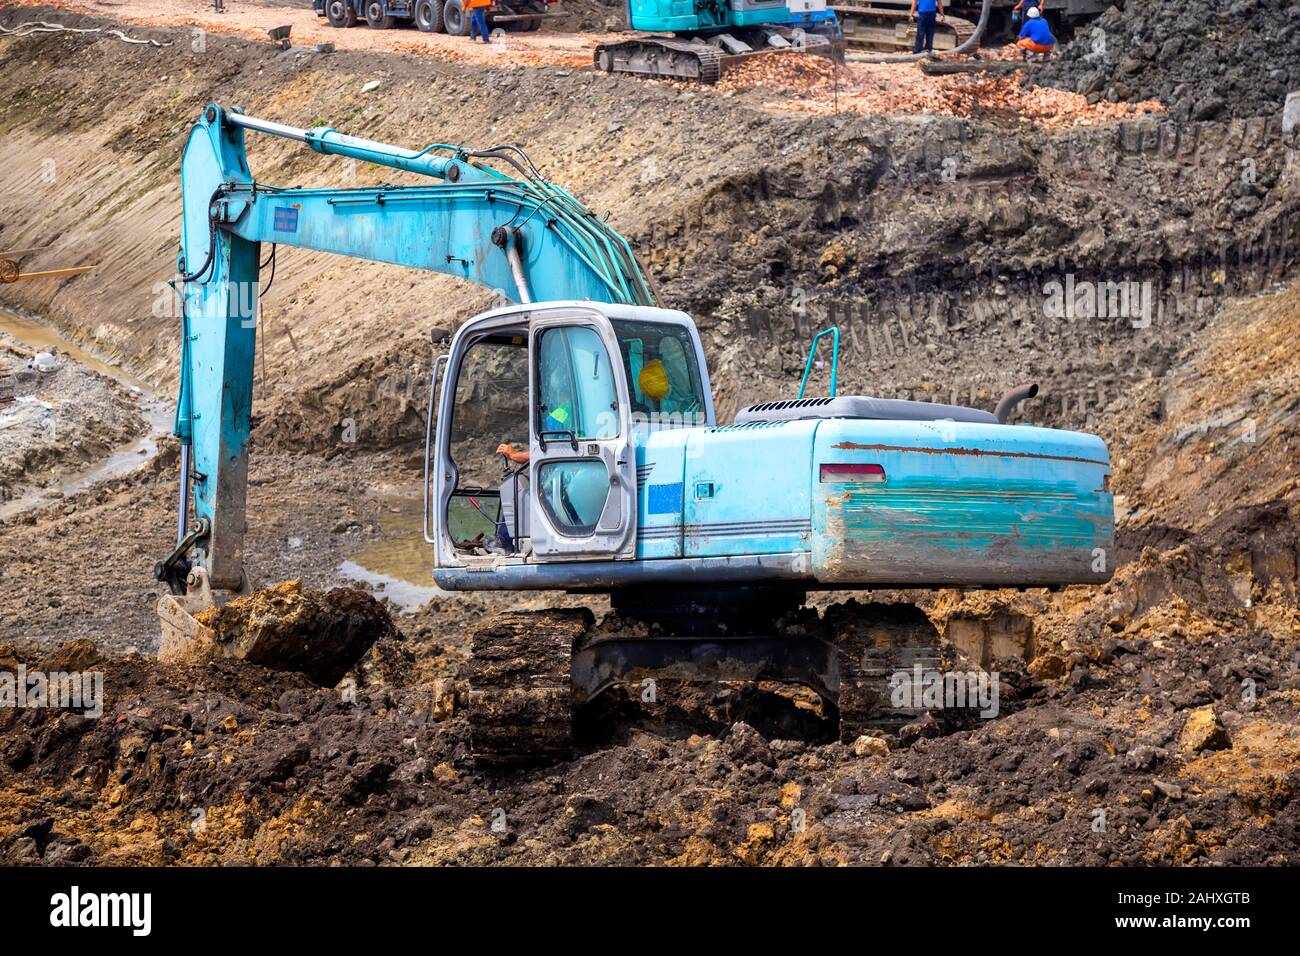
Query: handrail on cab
point(834, 333)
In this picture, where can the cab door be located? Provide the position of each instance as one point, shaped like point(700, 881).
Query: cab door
point(582, 467)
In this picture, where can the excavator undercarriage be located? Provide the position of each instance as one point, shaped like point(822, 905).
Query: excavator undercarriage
point(887, 27)
point(530, 672)
point(701, 59)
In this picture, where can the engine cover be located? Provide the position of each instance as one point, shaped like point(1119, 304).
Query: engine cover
point(861, 406)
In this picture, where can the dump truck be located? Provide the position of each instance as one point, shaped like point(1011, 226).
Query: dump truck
point(434, 16)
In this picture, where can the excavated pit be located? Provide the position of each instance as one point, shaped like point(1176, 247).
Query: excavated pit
point(1167, 701)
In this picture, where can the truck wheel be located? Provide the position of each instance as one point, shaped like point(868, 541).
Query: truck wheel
point(428, 16)
point(376, 17)
point(340, 13)
point(533, 25)
point(455, 18)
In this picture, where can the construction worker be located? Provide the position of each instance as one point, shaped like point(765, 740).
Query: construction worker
point(1036, 40)
point(478, 19)
point(1020, 10)
point(925, 13)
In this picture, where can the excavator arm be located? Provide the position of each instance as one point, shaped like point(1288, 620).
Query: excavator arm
point(524, 237)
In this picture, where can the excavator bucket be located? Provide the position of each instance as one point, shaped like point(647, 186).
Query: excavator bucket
point(183, 636)
point(322, 634)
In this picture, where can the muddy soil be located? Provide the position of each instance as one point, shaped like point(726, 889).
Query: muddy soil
point(931, 240)
point(56, 417)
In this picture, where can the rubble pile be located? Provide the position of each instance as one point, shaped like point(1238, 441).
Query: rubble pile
point(901, 88)
point(1204, 59)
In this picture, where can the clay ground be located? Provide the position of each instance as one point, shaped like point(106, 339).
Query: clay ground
point(924, 217)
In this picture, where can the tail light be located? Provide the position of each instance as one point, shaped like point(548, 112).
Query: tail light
point(844, 471)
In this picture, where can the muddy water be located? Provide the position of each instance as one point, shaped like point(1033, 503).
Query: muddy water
point(156, 411)
point(399, 566)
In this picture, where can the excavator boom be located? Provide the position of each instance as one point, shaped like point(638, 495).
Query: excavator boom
point(523, 237)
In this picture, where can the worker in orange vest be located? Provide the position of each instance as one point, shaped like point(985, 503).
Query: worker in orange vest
point(478, 19)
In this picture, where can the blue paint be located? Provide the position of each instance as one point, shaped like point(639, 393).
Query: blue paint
point(664, 499)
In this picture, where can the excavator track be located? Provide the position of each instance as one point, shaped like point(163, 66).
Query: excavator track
point(889, 29)
point(524, 677)
point(695, 60)
point(520, 700)
point(661, 58)
point(877, 648)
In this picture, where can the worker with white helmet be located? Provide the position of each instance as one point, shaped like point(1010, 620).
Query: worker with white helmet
point(1036, 40)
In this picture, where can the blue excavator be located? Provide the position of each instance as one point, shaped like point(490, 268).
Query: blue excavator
point(695, 40)
point(572, 446)
point(688, 40)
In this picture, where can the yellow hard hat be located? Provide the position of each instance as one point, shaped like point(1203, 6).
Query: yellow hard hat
point(654, 380)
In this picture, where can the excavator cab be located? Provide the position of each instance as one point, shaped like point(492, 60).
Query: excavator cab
point(580, 385)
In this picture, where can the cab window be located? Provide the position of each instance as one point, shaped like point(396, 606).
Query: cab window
point(576, 393)
point(662, 372)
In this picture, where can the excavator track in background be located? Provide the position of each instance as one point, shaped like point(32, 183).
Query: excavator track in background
point(698, 60)
point(884, 27)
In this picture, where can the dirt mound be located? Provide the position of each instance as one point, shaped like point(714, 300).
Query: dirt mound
point(1169, 737)
point(1205, 59)
point(213, 763)
point(320, 634)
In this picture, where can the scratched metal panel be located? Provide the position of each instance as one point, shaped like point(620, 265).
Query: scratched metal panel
point(746, 489)
point(963, 504)
point(659, 457)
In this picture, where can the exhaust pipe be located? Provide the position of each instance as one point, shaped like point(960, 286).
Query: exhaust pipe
point(1011, 399)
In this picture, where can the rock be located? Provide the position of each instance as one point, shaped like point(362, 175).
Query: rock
point(23, 850)
point(411, 771)
point(445, 691)
point(74, 657)
point(37, 832)
point(746, 745)
point(1144, 757)
point(372, 85)
point(1202, 731)
point(1209, 107)
point(925, 727)
point(866, 746)
point(1291, 112)
point(1245, 207)
point(1171, 790)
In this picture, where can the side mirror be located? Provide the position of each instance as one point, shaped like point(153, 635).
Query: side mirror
point(440, 337)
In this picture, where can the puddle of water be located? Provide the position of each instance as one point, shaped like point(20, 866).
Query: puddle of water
point(399, 566)
point(406, 595)
point(41, 338)
point(156, 411)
